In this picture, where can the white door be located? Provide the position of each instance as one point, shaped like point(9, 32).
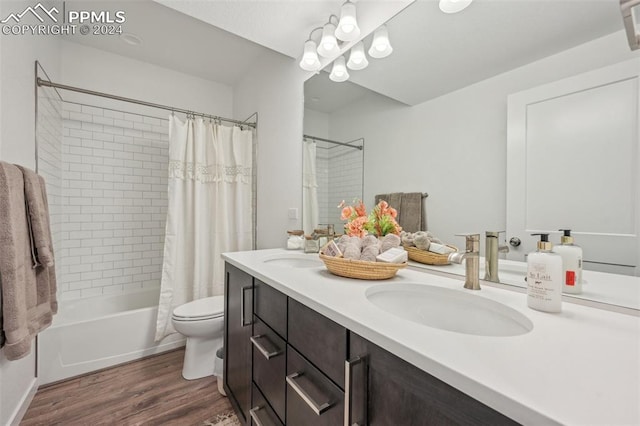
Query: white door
point(572, 162)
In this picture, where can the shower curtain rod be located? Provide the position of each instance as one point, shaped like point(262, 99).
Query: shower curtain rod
point(46, 83)
point(315, 138)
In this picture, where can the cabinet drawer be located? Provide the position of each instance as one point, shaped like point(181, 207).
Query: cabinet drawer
point(269, 365)
point(312, 399)
point(320, 340)
point(261, 413)
point(271, 306)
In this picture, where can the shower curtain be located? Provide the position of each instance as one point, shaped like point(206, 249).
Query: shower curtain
point(209, 213)
point(309, 188)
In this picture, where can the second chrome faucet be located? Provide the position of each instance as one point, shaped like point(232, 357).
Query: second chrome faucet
point(492, 250)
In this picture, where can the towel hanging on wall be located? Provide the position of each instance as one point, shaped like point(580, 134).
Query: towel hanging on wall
point(410, 208)
point(27, 284)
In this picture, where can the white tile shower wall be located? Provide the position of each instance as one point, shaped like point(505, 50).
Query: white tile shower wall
point(345, 180)
point(49, 164)
point(115, 201)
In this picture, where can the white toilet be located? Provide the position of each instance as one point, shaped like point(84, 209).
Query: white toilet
point(202, 323)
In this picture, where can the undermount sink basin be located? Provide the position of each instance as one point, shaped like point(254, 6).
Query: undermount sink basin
point(294, 261)
point(448, 309)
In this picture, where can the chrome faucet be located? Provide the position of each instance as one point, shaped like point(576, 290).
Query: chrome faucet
point(471, 256)
point(493, 248)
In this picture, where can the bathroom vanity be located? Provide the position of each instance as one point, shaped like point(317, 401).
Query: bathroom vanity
point(306, 347)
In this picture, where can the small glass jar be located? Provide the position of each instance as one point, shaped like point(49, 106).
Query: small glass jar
point(295, 240)
point(311, 245)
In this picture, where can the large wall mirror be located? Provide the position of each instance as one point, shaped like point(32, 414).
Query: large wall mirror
point(435, 118)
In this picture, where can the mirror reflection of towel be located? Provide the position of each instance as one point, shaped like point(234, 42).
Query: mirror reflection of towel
point(411, 214)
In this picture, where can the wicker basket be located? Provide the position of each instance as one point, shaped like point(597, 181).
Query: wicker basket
point(361, 269)
point(427, 257)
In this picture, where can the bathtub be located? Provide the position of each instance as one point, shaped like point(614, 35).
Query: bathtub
point(99, 332)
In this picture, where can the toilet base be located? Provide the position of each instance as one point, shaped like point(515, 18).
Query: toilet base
point(199, 357)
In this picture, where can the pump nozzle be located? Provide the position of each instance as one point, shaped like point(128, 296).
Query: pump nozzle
point(544, 243)
point(566, 238)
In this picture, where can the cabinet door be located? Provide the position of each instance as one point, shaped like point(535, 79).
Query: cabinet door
point(237, 316)
point(386, 390)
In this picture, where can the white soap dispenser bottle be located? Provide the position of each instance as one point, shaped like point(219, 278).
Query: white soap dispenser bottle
point(571, 263)
point(544, 277)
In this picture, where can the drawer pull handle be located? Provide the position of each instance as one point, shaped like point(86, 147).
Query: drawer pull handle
point(262, 349)
point(243, 323)
point(256, 419)
point(348, 389)
point(317, 408)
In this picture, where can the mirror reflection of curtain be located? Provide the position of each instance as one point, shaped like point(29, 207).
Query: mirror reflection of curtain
point(210, 210)
point(309, 188)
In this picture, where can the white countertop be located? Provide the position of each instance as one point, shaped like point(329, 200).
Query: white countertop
point(581, 366)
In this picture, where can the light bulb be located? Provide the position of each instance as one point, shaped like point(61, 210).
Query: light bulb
point(310, 60)
point(348, 29)
point(357, 58)
point(380, 47)
point(453, 6)
point(339, 71)
point(328, 44)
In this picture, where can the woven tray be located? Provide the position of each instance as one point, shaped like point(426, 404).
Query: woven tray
point(427, 257)
point(361, 269)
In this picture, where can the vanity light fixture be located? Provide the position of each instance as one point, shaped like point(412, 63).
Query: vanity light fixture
point(348, 29)
point(357, 58)
point(328, 46)
point(380, 47)
point(454, 6)
point(339, 71)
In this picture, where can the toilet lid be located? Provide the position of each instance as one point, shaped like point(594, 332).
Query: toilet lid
point(209, 307)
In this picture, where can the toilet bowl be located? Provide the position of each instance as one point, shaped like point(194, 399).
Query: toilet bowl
point(201, 322)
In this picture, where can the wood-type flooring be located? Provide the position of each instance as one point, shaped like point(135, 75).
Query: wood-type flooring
point(150, 391)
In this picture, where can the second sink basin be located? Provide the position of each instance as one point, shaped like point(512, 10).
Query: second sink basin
point(449, 309)
point(294, 261)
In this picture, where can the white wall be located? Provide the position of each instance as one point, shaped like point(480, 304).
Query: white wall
point(456, 144)
point(94, 69)
point(274, 89)
point(17, 145)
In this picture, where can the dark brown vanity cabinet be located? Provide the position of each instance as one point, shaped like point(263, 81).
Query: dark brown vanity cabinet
point(383, 389)
point(287, 364)
point(237, 332)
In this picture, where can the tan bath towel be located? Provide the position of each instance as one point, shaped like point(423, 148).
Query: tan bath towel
point(28, 293)
point(37, 217)
point(412, 212)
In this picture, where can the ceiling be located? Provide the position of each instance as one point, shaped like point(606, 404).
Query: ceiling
point(174, 40)
point(434, 53)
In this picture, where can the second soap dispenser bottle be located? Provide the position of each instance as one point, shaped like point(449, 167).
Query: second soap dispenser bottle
point(571, 263)
point(544, 277)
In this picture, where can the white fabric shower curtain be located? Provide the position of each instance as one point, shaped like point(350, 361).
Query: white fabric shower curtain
point(309, 188)
point(209, 211)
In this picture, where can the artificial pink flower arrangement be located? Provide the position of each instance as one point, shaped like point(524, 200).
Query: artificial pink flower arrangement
point(380, 222)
